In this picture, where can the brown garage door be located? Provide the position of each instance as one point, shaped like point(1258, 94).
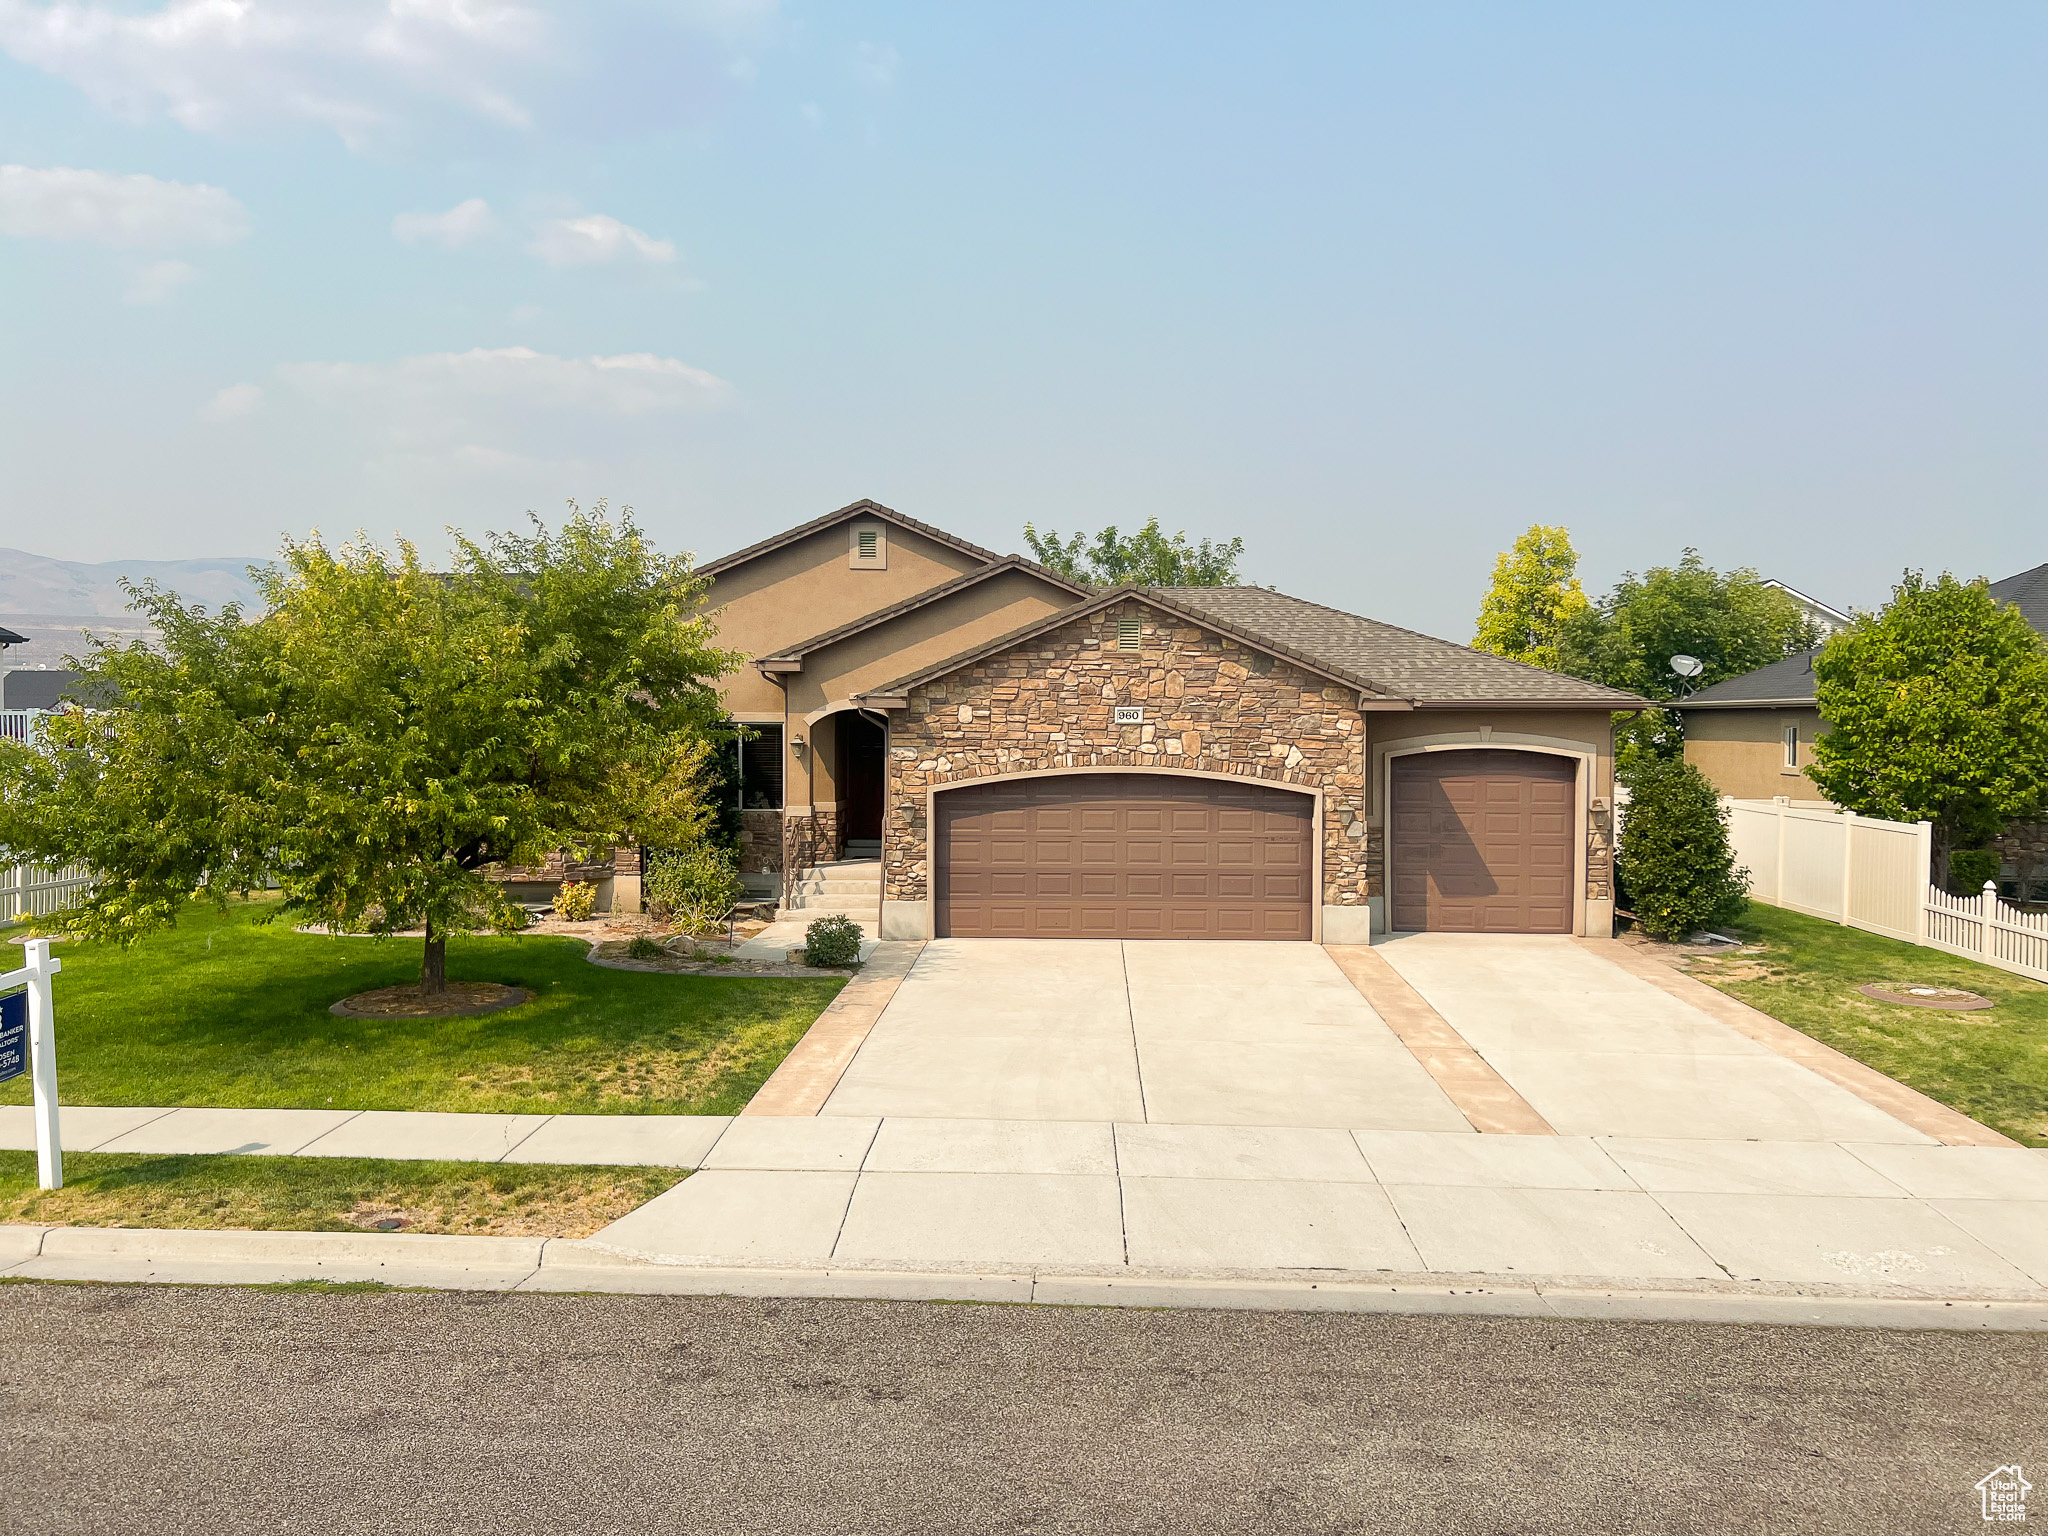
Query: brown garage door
point(1123, 856)
point(1483, 842)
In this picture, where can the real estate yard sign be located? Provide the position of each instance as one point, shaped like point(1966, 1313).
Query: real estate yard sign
point(33, 1013)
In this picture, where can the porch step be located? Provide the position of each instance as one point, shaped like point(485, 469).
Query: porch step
point(808, 890)
point(859, 911)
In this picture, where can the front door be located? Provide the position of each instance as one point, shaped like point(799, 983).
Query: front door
point(860, 778)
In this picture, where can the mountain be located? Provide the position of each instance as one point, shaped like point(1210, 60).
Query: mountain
point(36, 584)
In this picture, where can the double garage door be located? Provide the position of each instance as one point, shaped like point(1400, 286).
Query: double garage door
point(1124, 856)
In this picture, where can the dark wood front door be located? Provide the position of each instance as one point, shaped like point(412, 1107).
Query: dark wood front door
point(1124, 856)
point(1483, 842)
point(860, 778)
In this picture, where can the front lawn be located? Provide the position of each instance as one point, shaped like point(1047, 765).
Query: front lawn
point(326, 1194)
point(223, 1010)
point(1992, 1065)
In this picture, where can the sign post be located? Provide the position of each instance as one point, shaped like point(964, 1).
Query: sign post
point(34, 1014)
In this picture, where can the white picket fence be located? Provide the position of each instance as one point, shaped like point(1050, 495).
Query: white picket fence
point(28, 890)
point(1872, 874)
point(21, 724)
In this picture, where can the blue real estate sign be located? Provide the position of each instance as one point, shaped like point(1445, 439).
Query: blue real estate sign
point(13, 1035)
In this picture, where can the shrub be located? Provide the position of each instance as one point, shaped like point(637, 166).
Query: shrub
point(576, 901)
point(1674, 857)
point(832, 941)
point(1969, 869)
point(644, 948)
point(693, 888)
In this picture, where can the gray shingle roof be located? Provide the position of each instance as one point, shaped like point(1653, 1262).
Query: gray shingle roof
point(1787, 681)
point(1374, 657)
point(1398, 661)
point(2029, 590)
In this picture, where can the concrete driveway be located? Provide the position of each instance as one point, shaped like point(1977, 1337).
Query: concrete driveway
point(1161, 1032)
point(1598, 1052)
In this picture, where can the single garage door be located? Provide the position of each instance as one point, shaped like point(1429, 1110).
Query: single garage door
point(1483, 842)
point(1124, 856)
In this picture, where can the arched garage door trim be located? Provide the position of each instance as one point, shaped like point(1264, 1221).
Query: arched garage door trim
point(1309, 792)
point(1587, 761)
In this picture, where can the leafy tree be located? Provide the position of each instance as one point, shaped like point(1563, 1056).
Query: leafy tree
point(1730, 620)
point(382, 734)
point(1675, 859)
point(1147, 558)
point(1937, 710)
point(1535, 603)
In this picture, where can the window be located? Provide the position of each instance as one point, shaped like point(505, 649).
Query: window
point(1127, 632)
point(868, 547)
point(1791, 746)
point(760, 768)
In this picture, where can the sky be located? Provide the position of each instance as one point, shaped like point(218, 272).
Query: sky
point(1373, 287)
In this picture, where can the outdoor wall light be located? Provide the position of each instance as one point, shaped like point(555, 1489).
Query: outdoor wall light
point(798, 745)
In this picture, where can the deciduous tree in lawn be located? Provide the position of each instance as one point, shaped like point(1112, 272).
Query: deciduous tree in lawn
point(1535, 602)
point(382, 733)
point(1937, 710)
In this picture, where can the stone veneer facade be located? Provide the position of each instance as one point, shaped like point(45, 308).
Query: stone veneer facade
point(1211, 705)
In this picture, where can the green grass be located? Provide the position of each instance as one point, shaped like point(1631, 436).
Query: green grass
point(1991, 1065)
point(223, 1010)
point(325, 1194)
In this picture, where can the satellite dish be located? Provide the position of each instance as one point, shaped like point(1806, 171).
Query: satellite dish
point(1688, 666)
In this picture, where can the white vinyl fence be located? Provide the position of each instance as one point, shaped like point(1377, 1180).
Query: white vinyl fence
point(1872, 874)
point(26, 890)
point(21, 724)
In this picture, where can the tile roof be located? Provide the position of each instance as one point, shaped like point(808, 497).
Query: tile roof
point(1786, 681)
point(1376, 658)
point(861, 508)
point(2029, 590)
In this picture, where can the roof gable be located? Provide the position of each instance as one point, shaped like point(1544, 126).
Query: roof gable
point(1400, 667)
point(2028, 591)
point(845, 514)
point(796, 652)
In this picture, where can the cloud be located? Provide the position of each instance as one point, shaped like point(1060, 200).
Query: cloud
point(158, 281)
point(466, 221)
point(596, 237)
point(233, 403)
point(875, 65)
point(355, 66)
point(482, 405)
point(64, 204)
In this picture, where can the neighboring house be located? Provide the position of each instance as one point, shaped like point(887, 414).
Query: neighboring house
point(1825, 619)
point(34, 688)
point(994, 751)
point(1753, 736)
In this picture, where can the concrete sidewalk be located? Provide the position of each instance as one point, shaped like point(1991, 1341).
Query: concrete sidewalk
point(664, 1141)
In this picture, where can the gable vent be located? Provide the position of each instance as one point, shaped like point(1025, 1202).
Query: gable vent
point(868, 540)
point(1127, 633)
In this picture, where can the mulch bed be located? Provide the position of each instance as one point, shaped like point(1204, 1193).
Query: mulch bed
point(463, 999)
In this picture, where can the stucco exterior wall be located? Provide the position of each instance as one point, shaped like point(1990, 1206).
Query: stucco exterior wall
point(923, 637)
point(1742, 751)
point(1212, 706)
point(808, 587)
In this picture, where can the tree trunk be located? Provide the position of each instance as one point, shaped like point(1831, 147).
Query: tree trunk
point(434, 963)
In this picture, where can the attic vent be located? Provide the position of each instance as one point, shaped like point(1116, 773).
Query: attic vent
point(1127, 632)
point(868, 549)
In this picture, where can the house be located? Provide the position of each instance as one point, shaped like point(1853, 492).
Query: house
point(953, 742)
point(1824, 619)
point(1753, 736)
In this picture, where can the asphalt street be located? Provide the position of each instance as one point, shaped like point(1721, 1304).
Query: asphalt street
point(171, 1410)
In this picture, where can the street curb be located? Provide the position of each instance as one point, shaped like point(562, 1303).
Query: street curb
point(543, 1265)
